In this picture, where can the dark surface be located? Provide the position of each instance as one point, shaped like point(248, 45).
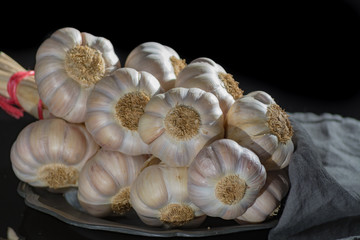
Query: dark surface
point(303, 53)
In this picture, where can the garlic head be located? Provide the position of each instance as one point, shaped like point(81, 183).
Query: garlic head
point(159, 196)
point(105, 181)
point(50, 153)
point(68, 64)
point(209, 76)
point(177, 124)
point(224, 179)
point(161, 61)
point(256, 122)
point(115, 106)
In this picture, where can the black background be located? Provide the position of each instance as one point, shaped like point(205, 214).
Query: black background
point(303, 53)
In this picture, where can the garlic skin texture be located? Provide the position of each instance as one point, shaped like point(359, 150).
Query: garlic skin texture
point(225, 179)
point(179, 123)
point(50, 153)
point(115, 106)
point(209, 76)
point(68, 64)
point(159, 196)
point(105, 180)
point(256, 122)
point(161, 61)
point(275, 189)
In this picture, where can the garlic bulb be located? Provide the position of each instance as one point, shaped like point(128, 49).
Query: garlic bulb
point(258, 123)
point(160, 198)
point(161, 61)
point(68, 64)
point(105, 180)
point(225, 179)
point(179, 123)
point(268, 201)
point(209, 76)
point(115, 106)
point(51, 153)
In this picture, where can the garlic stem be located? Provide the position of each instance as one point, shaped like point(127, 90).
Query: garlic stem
point(26, 93)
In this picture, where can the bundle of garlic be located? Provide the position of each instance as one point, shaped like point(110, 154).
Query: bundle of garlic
point(20, 90)
point(175, 142)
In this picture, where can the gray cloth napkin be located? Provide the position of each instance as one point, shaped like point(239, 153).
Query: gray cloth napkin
point(324, 198)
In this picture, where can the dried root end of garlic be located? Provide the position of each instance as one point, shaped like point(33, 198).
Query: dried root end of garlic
point(176, 214)
point(57, 175)
point(279, 123)
point(231, 86)
point(85, 65)
point(130, 108)
point(120, 203)
point(177, 64)
point(182, 122)
point(230, 189)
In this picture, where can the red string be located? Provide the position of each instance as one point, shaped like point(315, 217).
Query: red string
point(11, 105)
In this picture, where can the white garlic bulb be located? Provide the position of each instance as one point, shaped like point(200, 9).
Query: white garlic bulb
point(160, 198)
point(179, 123)
point(115, 106)
point(68, 64)
point(51, 153)
point(161, 61)
point(225, 179)
point(268, 201)
point(256, 122)
point(209, 76)
point(105, 181)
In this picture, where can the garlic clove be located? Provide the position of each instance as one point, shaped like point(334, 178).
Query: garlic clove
point(50, 153)
point(193, 119)
point(225, 179)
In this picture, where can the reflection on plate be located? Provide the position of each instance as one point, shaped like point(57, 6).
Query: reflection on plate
point(66, 208)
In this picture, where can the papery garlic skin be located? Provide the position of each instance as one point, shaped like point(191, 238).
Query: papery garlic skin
point(256, 122)
point(68, 64)
point(225, 179)
point(209, 76)
point(51, 153)
point(161, 61)
point(105, 181)
point(115, 106)
point(275, 189)
point(179, 123)
point(159, 196)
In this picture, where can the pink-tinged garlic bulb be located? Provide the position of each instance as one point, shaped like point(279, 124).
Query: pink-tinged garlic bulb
point(115, 106)
point(68, 64)
point(105, 181)
point(209, 76)
point(267, 203)
point(179, 123)
point(161, 61)
point(256, 122)
point(50, 153)
point(225, 179)
point(160, 197)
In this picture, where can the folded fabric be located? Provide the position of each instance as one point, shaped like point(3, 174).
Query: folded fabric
point(324, 198)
